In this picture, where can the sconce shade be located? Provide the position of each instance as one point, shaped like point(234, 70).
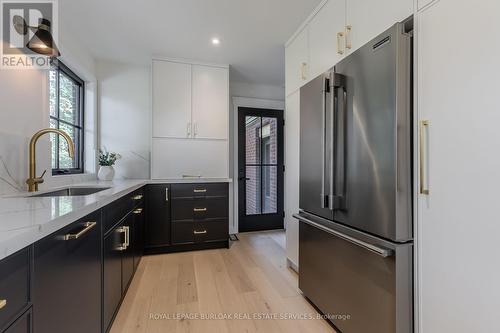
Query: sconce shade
point(42, 41)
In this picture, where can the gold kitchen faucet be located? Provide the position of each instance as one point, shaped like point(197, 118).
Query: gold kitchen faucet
point(33, 180)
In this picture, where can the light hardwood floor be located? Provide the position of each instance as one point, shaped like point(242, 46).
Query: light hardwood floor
point(170, 292)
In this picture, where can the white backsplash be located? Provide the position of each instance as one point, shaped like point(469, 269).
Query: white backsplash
point(14, 161)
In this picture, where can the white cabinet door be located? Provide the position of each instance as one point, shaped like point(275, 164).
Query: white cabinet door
point(296, 62)
point(368, 18)
point(292, 160)
point(171, 99)
point(210, 102)
point(175, 158)
point(458, 225)
point(423, 3)
point(326, 37)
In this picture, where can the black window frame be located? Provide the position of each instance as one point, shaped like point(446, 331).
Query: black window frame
point(80, 143)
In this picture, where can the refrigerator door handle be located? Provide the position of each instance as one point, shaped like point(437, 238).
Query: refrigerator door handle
point(383, 252)
point(338, 200)
point(324, 197)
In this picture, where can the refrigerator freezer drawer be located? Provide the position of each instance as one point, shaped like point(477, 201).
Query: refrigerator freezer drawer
point(351, 276)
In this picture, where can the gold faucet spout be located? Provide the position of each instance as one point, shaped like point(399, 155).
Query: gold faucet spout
point(33, 180)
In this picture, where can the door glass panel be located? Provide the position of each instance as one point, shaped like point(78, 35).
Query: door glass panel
point(253, 190)
point(269, 141)
point(261, 163)
point(252, 144)
point(269, 190)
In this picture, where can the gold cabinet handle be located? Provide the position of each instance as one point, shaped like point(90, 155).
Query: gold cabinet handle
point(200, 190)
point(424, 124)
point(303, 70)
point(3, 303)
point(137, 197)
point(166, 193)
point(200, 209)
point(340, 42)
point(137, 211)
point(88, 226)
point(348, 39)
point(199, 232)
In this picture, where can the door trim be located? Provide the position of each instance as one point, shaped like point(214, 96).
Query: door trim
point(256, 103)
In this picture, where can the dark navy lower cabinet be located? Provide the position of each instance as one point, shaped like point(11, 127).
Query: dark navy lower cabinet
point(67, 279)
point(15, 277)
point(22, 325)
point(114, 244)
point(158, 215)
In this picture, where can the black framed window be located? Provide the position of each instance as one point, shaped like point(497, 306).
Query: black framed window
point(66, 104)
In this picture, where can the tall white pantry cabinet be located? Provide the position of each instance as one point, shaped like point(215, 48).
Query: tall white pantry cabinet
point(190, 122)
point(458, 140)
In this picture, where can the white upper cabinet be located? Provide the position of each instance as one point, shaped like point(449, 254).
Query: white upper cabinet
point(210, 102)
point(171, 99)
point(366, 19)
point(422, 3)
point(326, 37)
point(296, 62)
point(457, 54)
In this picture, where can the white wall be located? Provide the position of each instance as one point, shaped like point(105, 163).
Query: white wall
point(24, 110)
point(125, 116)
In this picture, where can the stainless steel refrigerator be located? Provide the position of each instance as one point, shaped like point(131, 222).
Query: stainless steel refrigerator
point(356, 230)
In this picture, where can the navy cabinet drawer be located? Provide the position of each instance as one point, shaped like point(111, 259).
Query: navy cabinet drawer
point(199, 208)
point(189, 232)
point(200, 190)
point(22, 324)
point(118, 209)
point(14, 285)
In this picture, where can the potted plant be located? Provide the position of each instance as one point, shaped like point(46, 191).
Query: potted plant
point(106, 162)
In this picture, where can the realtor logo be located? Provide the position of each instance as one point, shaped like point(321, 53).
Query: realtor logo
point(29, 34)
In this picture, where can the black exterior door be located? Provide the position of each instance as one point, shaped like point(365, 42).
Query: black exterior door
point(260, 169)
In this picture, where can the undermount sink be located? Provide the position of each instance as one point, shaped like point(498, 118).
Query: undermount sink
point(72, 191)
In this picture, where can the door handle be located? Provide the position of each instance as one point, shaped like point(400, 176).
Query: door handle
point(137, 197)
point(348, 39)
point(138, 211)
point(340, 43)
point(303, 73)
point(383, 252)
point(166, 193)
point(3, 303)
point(338, 168)
point(199, 232)
point(424, 124)
point(123, 246)
point(199, 209)
point(87, 227)
point(200, 190)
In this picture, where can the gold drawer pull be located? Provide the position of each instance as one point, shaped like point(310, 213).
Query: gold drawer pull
point(200, 209)
point(138, 211)
point(3, 303)
point(201, 190)
point(199, 232)
point(88, 226)
point(137, 197)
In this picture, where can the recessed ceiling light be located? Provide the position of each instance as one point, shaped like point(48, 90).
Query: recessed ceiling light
point(215, 41)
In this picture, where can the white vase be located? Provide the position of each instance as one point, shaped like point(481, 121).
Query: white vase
point(106, 173)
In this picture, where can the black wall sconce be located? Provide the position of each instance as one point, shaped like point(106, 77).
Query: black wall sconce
point(42, 41)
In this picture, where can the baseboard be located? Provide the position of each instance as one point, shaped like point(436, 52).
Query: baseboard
point(292, 265)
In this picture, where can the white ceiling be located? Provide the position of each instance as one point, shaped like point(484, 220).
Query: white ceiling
point(252, 32)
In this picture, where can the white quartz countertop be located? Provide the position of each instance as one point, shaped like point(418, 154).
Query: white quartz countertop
point(25, 220)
